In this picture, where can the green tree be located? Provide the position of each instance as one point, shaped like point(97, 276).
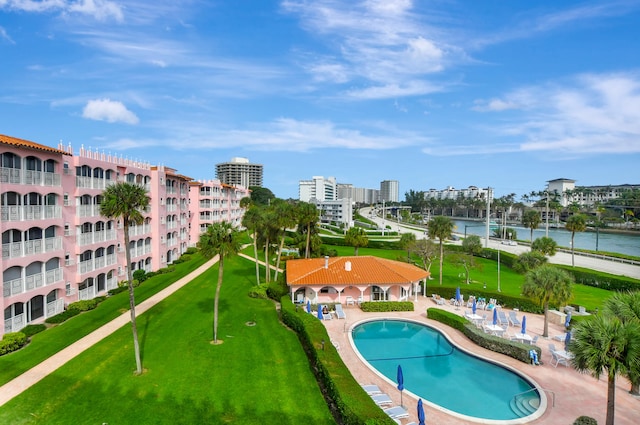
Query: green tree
point(604, 344)
point(545, 245)
point(440, 227)
point(252, 221)
point(547, 284)
point(285, 219)
point(405, 242)
point(472, 245)
point(528, 261)
point(127, 201)
point(308, 216)
point(575, 223)
point(426, 250)
point(531, 220)
point(261, 195)
point(626, 307)
point(219, 239)
point(356, 237)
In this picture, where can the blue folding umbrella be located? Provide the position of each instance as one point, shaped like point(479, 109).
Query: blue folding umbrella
point(567, 340)
point(524, 325)
point(473, 307)
point(458, 294)
point(421, 416)
point(495, 316)
point(308, 306)
point(400, 379)
point(319, 312)
point(568, 321)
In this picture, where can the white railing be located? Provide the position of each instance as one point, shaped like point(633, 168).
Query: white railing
point(139, 230)
point(93, 183)
point(55, 307)
point(28, 283)
point(95, 237)
point(28, 177)
point(30, 212)
point(86, 266)
point(35, 246)
point(172, 207)
point(88, 210)
point(15, 323)
point(10, 175)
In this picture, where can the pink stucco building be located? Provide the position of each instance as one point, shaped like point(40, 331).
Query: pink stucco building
point(57, 248)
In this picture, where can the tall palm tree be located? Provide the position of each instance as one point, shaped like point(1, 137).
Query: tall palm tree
point(127, 201)
point(251, 220)
point(575, 223)
point(626, 307)
point(307, 216)
point(286, 219)
point(220, 239)
point(547, 284)
point(440, 227)
point(356, 237)
point(531, 220)
point(604, 344)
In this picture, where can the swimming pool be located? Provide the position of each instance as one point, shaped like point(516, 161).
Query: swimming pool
point(445, 375)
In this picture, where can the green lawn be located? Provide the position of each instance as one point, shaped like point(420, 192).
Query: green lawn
point(259, 375)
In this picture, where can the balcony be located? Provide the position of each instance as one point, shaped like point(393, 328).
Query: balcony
point(96, 237)
point(93, 183)
point(139, 230)
point(96, 263)
point(32, 247)
point(30, 212)
point(88, 210)
point(31, 282)
point(28, 177)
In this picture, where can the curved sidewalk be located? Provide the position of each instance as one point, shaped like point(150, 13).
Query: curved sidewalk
point(21, 383)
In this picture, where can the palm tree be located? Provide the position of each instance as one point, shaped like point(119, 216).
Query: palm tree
point(307, 214)
point(545, 245)
point(531, 220)
point(252, 221)
point(356, 237)
point(605, 345)
point(626, 307)
point(220, 239)
point(575, 223)
point(547, 284)
point(529, 260)
point(127, 201)
point(440, 227)
point(286, 219)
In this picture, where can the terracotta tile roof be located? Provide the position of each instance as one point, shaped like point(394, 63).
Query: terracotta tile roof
point(21, 143)
point(364, 270)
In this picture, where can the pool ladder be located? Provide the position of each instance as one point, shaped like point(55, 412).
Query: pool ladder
point(519, 396)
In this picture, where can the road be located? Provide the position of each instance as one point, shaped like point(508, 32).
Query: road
point(606, 266)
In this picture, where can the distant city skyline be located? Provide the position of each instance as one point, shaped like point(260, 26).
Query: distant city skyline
point(506, 95)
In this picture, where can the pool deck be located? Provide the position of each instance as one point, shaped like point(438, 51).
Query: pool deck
point(576, 394)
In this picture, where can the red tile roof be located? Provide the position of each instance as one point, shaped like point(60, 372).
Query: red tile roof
point(21, 143)
point(364, 270)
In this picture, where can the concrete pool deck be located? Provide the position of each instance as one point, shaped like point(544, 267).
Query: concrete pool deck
point(576, 394)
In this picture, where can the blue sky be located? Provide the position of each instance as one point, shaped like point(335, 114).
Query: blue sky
point(432, 93)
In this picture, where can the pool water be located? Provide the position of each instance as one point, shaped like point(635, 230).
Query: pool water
point(439, 372)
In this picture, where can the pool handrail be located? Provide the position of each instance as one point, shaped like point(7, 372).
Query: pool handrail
point(553, 395)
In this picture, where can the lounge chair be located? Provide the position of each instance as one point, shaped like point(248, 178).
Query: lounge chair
point(396, 412)
point(534, 341)
point(340, 312)
point(371, 389)
point(514, 319)
point(350, 300)
point(502, 318)
point(556, 359)
point(326, 316)
point(381, 399)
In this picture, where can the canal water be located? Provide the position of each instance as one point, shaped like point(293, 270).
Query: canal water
point(627, 244)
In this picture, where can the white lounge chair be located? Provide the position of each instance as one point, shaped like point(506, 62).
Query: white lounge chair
point(502, 318)
point(340, 312)
point(371, 389)
point(396, 412)
point(381, 399)
point(514, 319)
point(557, 358)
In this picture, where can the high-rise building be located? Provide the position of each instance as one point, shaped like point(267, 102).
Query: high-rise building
point(239, 172)
point(390, 191)
point(318, 188)
point(56, 246)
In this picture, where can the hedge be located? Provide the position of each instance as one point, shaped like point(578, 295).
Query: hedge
point(513, 349)
point(12, 341)
point(345, 397)
point(31, 330)
point(602, 280)
point(377, 306)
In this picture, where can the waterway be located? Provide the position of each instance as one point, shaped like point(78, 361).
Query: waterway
point(622, 243)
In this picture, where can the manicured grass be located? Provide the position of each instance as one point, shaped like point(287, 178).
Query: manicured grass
point(259, 375)
point(49, 342)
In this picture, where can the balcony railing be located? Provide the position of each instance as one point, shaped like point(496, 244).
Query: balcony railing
point(28, 177)
point(30, 212)
point(93, 183)
point(139, 230)
point(32, 247)
point(96, 263)
point(96, 237)
point(28, 283)
point(88, 210)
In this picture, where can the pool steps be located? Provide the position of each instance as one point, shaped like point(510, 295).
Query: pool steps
point(525, 405)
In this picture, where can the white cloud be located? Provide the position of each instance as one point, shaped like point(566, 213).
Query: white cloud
point(5, 36)
point(108, 110)
point(101, 10)
point(494, 105)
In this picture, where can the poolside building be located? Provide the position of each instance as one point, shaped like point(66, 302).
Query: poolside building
point(57, 248)
point(353, 279)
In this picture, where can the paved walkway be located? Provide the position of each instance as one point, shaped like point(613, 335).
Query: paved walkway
point(576, 394)
point(21, 383)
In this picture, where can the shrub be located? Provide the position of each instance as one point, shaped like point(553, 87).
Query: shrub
point(84, 305)
point(191, 250)
point(12, 341)
point(31, 330)
point(378, 306)
point(140, 275)
point(65, 315)
point(117, 290)
point(277, 290)
point(602, 280)
point(585, 420)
